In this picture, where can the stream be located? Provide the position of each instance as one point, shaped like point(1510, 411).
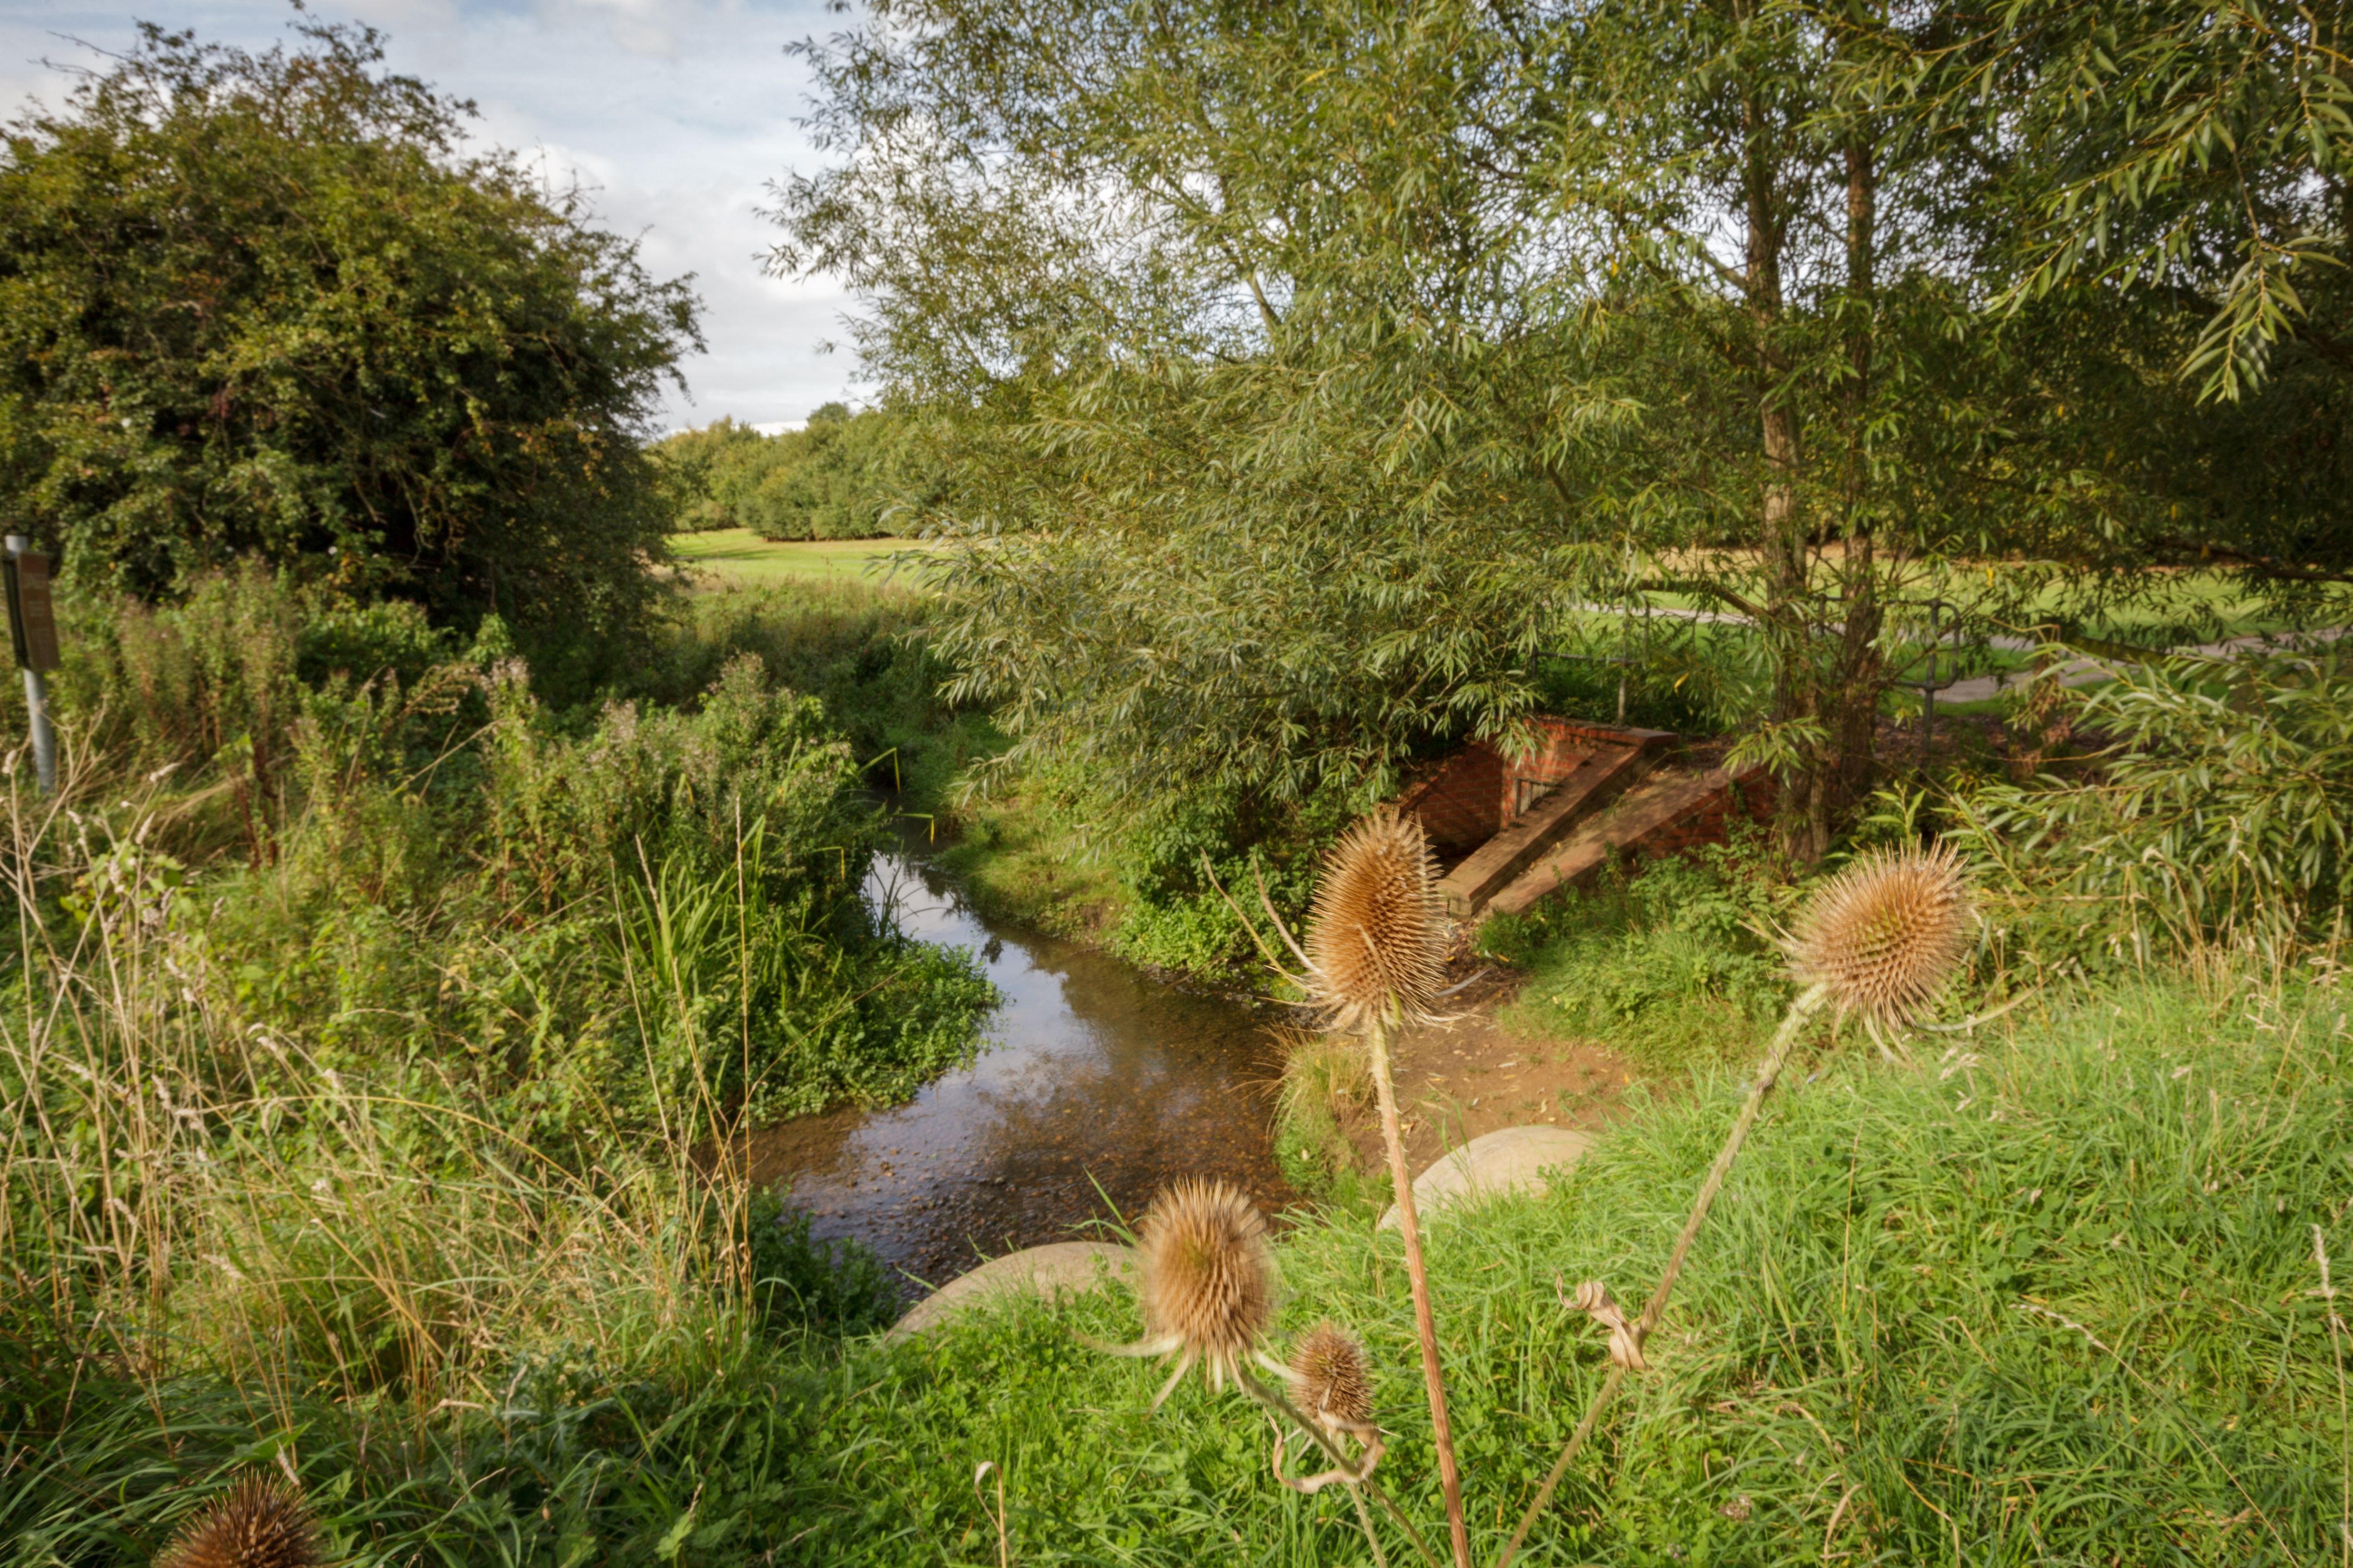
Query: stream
point(1095, 1082)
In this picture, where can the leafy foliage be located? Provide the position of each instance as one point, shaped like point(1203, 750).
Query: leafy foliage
point(843, 477)
point(800, 1283)
point(1671, 966)
point(272, 305)
point(2219, 814)
point(1324, 367)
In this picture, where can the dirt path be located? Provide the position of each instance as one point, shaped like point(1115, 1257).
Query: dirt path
point(1470, 1076)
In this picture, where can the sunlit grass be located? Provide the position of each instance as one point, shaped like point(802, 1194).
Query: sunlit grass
point(737, 554)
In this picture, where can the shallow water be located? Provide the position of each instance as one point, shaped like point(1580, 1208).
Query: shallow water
point(1097, 1082)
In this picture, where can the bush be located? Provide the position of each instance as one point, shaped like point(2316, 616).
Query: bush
point(2218, 816)
point(270, 307)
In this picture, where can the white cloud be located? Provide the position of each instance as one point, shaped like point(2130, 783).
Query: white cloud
point(678, 112)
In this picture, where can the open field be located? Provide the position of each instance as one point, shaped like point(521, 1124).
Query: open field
point(740, 556)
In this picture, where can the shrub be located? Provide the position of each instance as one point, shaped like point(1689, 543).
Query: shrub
point(271, 306)
point(2218, 816)
point(800, 1283)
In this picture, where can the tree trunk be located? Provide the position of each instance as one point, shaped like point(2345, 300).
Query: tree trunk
point(1857, 680)
point(1786, 589)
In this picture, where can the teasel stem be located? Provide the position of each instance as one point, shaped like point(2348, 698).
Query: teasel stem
point(1768, 1072)
point(1273, 1399)
point(1450, 1477)
point(1364, 1519)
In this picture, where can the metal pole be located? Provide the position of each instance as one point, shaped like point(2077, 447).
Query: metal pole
point(36, 702)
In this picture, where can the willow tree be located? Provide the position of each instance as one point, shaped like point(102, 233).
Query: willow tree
point(1325, 362)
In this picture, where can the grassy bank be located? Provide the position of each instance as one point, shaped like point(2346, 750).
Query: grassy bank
point(2052, 1299)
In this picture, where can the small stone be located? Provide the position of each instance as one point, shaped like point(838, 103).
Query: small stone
point(1511, 1160)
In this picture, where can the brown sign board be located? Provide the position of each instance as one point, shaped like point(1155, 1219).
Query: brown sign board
point(32, 622)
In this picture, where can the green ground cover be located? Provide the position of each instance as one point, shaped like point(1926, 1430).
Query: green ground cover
point(2049, 1296)
point(737, 554)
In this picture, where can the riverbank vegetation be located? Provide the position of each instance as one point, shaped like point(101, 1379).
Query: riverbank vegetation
point(439, 886)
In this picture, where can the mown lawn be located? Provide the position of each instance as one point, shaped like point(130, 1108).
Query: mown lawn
point(737, 554)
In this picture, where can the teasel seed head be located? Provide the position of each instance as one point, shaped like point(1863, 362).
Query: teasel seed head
point(1329, 1377)
point(1208, 1283)
point(262, 1523)
point(1884, 935)
point(1378, 943)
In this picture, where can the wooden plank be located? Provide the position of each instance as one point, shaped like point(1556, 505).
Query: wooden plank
point(1553, 817)
point(1660, 804)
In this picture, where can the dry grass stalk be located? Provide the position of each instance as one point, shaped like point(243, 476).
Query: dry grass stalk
point(262, 1523)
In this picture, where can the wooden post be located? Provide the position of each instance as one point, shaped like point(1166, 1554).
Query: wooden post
point(33, 627)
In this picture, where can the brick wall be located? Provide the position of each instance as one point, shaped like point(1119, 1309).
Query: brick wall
point(1457, 804)
point(1476, 791)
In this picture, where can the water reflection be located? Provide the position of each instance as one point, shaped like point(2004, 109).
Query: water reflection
point(1098, 1083)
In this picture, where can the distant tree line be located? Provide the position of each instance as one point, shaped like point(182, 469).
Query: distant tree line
point(842, 476)
point(1320, 360)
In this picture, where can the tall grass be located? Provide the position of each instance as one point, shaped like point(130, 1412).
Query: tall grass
point(378, 1131)
point(219, 1246)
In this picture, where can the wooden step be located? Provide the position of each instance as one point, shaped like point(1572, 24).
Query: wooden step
point(1643, 821)
point(1497, 863)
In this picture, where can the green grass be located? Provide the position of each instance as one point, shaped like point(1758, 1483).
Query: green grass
point(740, 556)
point(2048, 1301)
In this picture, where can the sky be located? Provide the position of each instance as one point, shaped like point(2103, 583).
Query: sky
point(676, 113)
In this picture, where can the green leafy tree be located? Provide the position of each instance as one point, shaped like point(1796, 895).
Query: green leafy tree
point(273, 305)
point(843, 476)
point(1331, 362)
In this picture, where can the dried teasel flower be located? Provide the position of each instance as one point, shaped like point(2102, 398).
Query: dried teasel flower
point(1329, 1378)
point(262, 1523)
point(1883, 936)
point(1378, 946)
point(1209, 1284)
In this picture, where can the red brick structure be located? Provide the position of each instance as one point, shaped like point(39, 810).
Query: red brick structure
point(1477, 791)
point(1587, 796)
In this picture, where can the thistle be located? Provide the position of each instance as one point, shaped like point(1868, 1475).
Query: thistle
point(262, 1523)
point(1328, 1378)
point(1332, 1388)
point(1378, 943)
point(1375, 955)
point(1879, 940)
point(1209, 1284)
point(1886, 934)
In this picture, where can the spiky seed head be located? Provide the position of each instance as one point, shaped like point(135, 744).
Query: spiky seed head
point(1378, 943)
point(1328, 1372)
point(1209, 1275)
point(262, 1523)
point(1884, 934)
